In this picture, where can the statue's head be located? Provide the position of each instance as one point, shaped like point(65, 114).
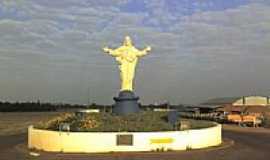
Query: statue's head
point(127, 41)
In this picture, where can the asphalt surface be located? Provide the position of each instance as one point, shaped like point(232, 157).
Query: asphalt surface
point(248, 145)
point(8, 147)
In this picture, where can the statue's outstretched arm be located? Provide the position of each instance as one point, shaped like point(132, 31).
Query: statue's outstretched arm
point(111, 52)
point(144, 52)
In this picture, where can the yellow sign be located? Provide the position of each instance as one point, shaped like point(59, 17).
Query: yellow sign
point(161, 140)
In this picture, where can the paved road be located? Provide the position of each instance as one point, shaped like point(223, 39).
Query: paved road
point(8, 144)
point(248, 146)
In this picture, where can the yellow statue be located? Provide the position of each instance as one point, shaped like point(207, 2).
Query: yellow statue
point(127, 56)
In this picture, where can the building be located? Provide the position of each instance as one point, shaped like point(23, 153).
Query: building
point(250, 104)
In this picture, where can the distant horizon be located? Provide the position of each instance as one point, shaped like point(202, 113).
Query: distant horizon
point(155, 103)
point(52, 50)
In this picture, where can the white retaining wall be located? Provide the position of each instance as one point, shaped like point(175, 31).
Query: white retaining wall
point(90, 142)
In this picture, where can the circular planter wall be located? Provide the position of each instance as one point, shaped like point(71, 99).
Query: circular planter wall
point(94, 142)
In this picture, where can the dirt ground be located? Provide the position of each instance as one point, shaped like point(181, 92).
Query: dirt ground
point(12, 123)
point(249, 144)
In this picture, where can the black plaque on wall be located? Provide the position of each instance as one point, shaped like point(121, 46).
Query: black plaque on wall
point(124, 140)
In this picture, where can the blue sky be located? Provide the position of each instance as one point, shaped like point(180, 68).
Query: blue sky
point(51, 50)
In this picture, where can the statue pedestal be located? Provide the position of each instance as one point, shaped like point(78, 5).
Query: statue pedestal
point(126, 103)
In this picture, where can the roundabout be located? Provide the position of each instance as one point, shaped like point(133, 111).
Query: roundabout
point(100, 142)
point(104, 133)
point(248, 144)
point(127, 128)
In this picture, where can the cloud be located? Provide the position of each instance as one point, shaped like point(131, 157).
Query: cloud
point(238, 26)
point(57, 44)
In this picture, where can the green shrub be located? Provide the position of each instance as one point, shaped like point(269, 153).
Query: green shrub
point(199, 124)
point(266, 121)
point(54, 123)
point(104, 122)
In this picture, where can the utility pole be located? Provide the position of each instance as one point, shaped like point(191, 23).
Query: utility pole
point(88, 96)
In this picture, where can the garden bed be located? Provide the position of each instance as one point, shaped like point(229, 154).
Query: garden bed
point(105, 122)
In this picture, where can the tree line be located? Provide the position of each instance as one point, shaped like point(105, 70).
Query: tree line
point(48, 107)
point(36, 107)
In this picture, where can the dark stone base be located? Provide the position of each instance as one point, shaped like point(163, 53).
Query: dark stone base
point(126, 103)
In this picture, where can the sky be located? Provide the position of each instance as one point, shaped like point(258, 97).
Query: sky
point(51, 50)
